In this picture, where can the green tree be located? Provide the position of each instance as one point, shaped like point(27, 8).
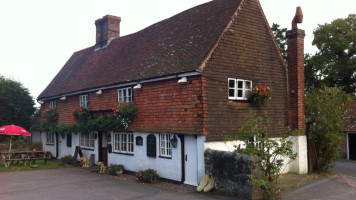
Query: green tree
point(16, 104)
point(280, 35)
point(325, 109)
point(335, 62)
point(271, 152)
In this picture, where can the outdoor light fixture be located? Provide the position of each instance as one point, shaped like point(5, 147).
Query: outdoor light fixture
point(138, 86)
point(63, 98)
point(99, 92)
point(40, 102)
point(182, 80)
point(174, 141)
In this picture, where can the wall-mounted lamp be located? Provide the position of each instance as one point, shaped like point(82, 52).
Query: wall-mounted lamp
point(63, 98)
point(182, 80)
point(99, 92)
point(138, 86)
point(40, 102)
point(174, 141)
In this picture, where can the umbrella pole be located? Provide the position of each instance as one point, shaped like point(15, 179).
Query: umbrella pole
point(10, 143)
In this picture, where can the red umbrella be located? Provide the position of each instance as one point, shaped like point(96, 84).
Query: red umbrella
point(13, 130)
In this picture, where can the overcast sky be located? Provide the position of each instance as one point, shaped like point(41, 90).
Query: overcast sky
point(37, 37)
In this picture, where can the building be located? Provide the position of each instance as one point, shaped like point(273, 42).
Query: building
point(190, 77)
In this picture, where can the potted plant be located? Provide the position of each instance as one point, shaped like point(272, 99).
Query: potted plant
point(260, 95)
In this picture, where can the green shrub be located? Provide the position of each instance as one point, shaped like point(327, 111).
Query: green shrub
point(115, 168)
point(148, 175)
point(68, 159)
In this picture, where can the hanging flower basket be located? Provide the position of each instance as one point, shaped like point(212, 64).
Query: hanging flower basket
point(260, 95)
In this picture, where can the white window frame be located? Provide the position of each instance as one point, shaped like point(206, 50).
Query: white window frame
point(87, 140)
point(124, 143)
point(53, 104)
point(124, 94)
point(165, 147)
point(84, 101)
point(50, 138)
point(245, 89)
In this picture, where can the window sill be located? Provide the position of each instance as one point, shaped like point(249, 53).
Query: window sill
point(50, 144)
point(241, 103)
point(87, 148)
point(127, 154)
point(166, 157)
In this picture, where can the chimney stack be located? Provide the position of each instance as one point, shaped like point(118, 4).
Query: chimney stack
point(107, 29)
point(295, 41)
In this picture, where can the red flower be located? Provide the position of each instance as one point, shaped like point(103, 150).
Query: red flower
point(260, 86)
point(264, 89)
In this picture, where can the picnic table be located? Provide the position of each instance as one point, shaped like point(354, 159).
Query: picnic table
point(25, 156)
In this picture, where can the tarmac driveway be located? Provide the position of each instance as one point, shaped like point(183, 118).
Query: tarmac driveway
point(341, 184)
point(77, 183)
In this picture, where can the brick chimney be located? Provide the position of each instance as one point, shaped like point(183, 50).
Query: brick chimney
point(107, 29)
point(295, 40)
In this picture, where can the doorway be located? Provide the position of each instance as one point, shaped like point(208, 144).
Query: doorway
point(102, 148)
point(352, 146)
point(190, 160)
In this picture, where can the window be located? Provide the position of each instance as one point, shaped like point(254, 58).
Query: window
point(84, 101)
point(123, 143)
point(124, 94)
point(69, 140)
point(87, 140)
point(165, 145)
point(53, 104)
point(239, 89)
point(50, 138)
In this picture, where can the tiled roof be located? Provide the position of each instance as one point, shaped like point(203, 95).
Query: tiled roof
point(176, 45)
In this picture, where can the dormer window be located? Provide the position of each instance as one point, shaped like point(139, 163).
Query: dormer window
point(239, 89)
point(84, 101)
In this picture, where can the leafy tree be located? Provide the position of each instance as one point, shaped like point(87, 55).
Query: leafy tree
point(16, 104)
point(271, 152)
point(335, 62)
point(280, 35)
point(325, 109)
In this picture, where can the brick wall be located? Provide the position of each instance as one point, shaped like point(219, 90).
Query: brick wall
point(246, 51)
point(163, 106)
point(296, 78)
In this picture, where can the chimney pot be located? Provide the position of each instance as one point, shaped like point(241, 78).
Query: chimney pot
point(298, 18)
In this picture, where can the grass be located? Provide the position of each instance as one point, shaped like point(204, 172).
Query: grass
point(52, 164)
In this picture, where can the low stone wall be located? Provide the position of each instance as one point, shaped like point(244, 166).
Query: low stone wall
point(232, 172)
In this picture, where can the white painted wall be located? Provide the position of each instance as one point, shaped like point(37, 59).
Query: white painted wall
point(299, 166)
point(201, 161)
point(166, 167)
point(36, 136)
point(51, 148)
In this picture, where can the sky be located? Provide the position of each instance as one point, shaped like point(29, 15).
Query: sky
point(37, 37)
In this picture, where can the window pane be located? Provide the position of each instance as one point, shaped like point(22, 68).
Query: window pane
point(240, 84)
point(124, 94)
point(239, 93)
point(248, 85)
point(231, 93)
point(231, 83)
